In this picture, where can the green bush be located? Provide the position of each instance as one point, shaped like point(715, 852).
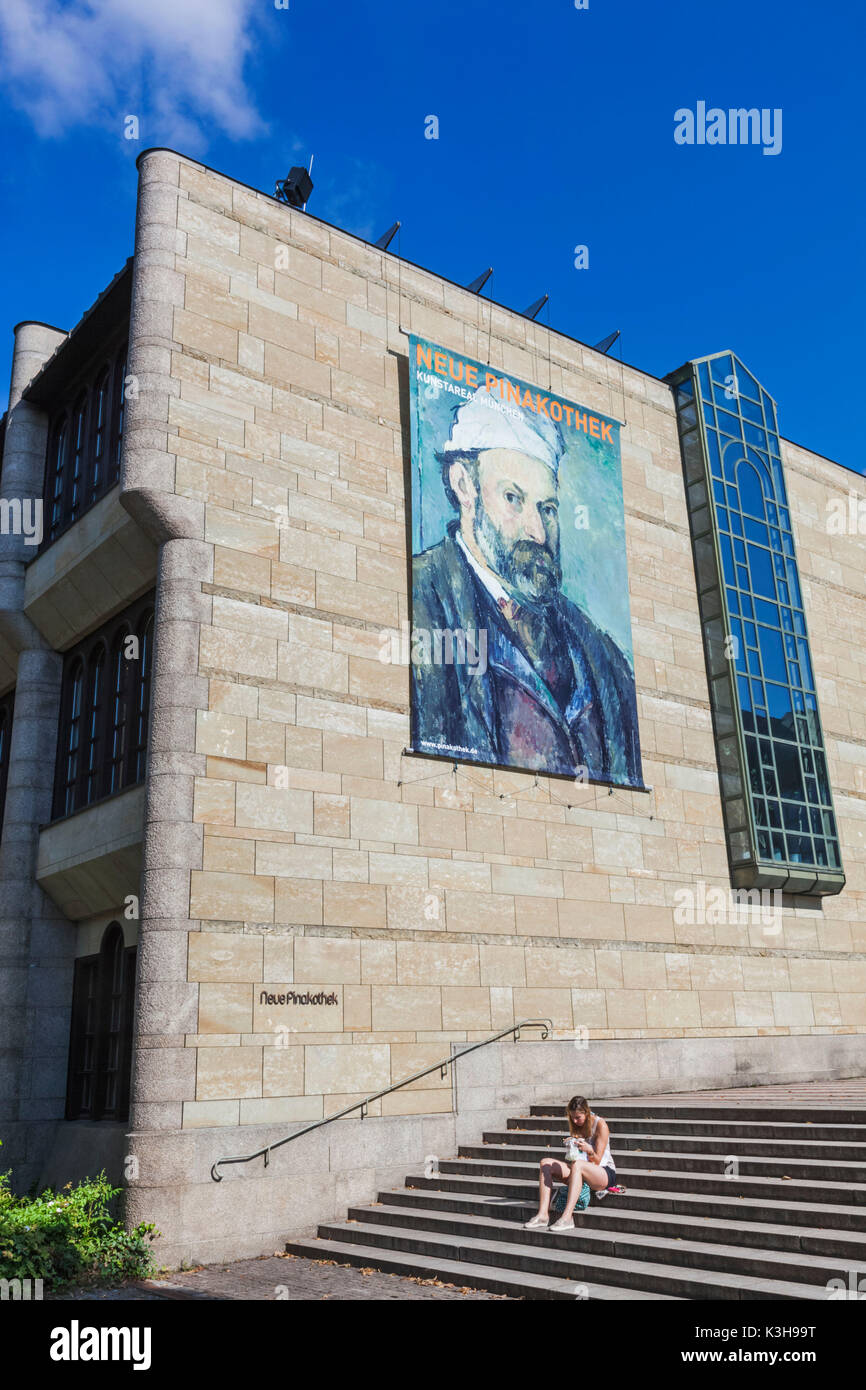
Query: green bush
point(71, 1236)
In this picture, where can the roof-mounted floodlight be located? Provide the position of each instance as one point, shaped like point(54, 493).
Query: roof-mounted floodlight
point(478, 285)
point(295, 188)
point(607, 343)
point(385, 241)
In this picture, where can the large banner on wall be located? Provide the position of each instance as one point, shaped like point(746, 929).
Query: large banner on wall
point(520, 632)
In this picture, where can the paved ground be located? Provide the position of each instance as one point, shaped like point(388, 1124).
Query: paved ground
point(283, 1277)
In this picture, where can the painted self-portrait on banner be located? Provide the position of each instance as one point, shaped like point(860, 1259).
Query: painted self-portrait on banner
point(520, 631)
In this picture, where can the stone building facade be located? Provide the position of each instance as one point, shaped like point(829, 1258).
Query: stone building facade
point(317, 914)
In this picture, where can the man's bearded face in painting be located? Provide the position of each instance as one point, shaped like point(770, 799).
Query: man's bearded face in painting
point(511, 502)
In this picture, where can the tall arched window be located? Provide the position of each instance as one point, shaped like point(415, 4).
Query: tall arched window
point(105, 710)
point(99, 438)
point(83, 459)
point(7, 710)
point(56, 478)
point(66, 787)
point(77, 462)
point(94, 733)
point(100, 1044)
point(118, 725)
point(118, 413)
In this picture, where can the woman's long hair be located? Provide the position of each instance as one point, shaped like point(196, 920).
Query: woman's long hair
point(579, 1103)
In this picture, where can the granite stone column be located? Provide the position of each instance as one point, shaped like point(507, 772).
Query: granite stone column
point(36, 942)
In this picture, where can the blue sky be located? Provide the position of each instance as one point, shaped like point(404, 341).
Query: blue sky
point(556, 129)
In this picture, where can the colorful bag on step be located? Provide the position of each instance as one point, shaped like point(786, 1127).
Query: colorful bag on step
point(581, 1204)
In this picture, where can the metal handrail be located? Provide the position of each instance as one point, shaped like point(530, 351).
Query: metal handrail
point(441, 1067)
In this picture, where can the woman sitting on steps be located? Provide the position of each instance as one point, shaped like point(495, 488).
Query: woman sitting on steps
point(587, 1160)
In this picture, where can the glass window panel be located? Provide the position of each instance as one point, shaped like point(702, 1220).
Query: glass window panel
point(704, 378)
point(805, 665)
point(705, 563)
point(751, 411)
point(735, 813)
point(715, 456)
point(746, 703)
point(788, 771)
point(751, 490)
point(754, 763)
point(761, 571)
point(722, 368)
point(772, 653)
point(796, 817)
point(727, 559)
point(781, 714)
point(767, 613)
point(728, 424)
point(800, 849)
point(754, 435)
point(757, 531)
point(698, 494)
point(821, 770)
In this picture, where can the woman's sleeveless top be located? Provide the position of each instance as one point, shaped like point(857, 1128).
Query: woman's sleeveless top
point(607, 1157)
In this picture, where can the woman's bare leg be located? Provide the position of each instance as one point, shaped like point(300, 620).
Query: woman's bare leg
point(550, 1170)
point(582, 1172)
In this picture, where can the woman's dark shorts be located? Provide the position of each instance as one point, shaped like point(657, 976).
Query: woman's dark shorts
point(611, 1175)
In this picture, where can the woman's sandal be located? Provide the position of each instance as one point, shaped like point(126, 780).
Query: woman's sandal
point(535, 1223)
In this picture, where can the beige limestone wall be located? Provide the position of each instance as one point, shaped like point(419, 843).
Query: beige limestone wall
point(426, 907)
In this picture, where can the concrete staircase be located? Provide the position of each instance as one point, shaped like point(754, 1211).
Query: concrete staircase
point(683, 1229)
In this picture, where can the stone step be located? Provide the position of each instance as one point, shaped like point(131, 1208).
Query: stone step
point(681, 1179)
point(830, 1217)
point(786, 1114)
point(632, 1141)
point(546, 1260)
point(592, 1241)
point(514, 1283)
point(610, 1217)
point(808, 1169)
point(732, 1124)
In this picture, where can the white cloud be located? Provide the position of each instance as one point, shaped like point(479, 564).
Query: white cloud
point(177, 64)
